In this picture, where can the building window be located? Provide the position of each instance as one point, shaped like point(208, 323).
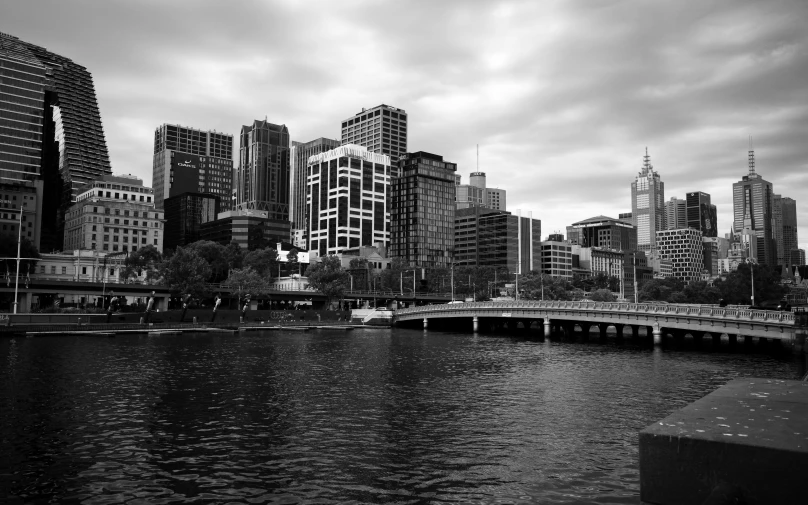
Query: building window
point(53, 269)
point(64, 270)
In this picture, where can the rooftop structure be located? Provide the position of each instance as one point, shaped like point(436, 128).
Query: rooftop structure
point(381, 129)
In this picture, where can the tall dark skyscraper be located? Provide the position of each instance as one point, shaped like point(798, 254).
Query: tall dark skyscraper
point(701, 214)
point(51, 129)
point(382, 129)
point(790, 238)
point(752, 203)
point(262, 179)
point(188, 160)
point(423, 210)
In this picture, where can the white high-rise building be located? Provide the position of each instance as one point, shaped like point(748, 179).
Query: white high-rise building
point(476, 194)
point(347, 199)
point(648, 205)
point(300, 154)
point(676, 214)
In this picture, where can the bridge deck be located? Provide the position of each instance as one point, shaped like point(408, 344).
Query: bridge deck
point(663, 317)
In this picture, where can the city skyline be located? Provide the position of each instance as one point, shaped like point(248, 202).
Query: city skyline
point(562, 114)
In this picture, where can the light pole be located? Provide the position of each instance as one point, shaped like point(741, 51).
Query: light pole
point(541, 277)
point(17, 281)
point(401, 282)
point(751, 274)
point(634, 263)
point(452, 281)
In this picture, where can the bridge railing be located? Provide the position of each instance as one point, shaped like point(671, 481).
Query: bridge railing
point(653, 308)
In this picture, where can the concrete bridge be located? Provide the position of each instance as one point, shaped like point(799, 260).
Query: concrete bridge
point(658, 320)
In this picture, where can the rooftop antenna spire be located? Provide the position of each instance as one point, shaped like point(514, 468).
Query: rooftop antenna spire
point(751, 157)
point(478, 157)
point(647, 162)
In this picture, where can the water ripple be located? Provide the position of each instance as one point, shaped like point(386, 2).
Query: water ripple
point(384, 416)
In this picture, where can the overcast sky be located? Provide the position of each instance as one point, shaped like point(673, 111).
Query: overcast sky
point(562, 97)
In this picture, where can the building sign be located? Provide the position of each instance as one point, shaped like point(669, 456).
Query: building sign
point(184, 174)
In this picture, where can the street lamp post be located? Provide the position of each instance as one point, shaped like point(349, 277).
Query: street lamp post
point(452, 281)
point(17, 281)
point(752, 275)
point(634, 263)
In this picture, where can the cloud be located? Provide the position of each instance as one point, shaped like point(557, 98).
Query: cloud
point(562, 96)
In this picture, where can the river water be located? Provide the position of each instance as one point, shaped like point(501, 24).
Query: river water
point(364, 416)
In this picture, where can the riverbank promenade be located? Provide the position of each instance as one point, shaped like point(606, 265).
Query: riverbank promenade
point(171, 321)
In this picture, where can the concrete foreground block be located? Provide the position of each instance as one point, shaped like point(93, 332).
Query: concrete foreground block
point(747, 441)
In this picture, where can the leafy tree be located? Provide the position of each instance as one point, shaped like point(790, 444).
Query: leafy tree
point(534, 285)
point(701, 292)
point(186, 272)
point(216, 256)
point(328, 277)
point(598, 280)
point(146, 258)
point(243, 281)
point(736, 287)
point(389, 278)
point(292, 263)
point(234, 255)
point(262, 261)
point(602, 295)
point(659, 289)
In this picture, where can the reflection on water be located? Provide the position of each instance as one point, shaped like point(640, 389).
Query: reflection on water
point(369, 416)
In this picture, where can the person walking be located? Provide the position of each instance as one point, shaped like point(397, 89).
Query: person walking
point(150, 306)
point(216, 302)
point(112, 306)
point(186, 301)
point(245, 308)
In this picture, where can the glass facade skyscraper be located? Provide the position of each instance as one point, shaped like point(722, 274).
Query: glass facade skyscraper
point(676, 214)
point(752, 205)
point(790, 238)
point(701, 214)
point(50, 130)
point(381, 129)
point(262, 179)
point(423, 210)
point(189, 160)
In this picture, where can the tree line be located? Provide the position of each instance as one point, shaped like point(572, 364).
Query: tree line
point(198, 268)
